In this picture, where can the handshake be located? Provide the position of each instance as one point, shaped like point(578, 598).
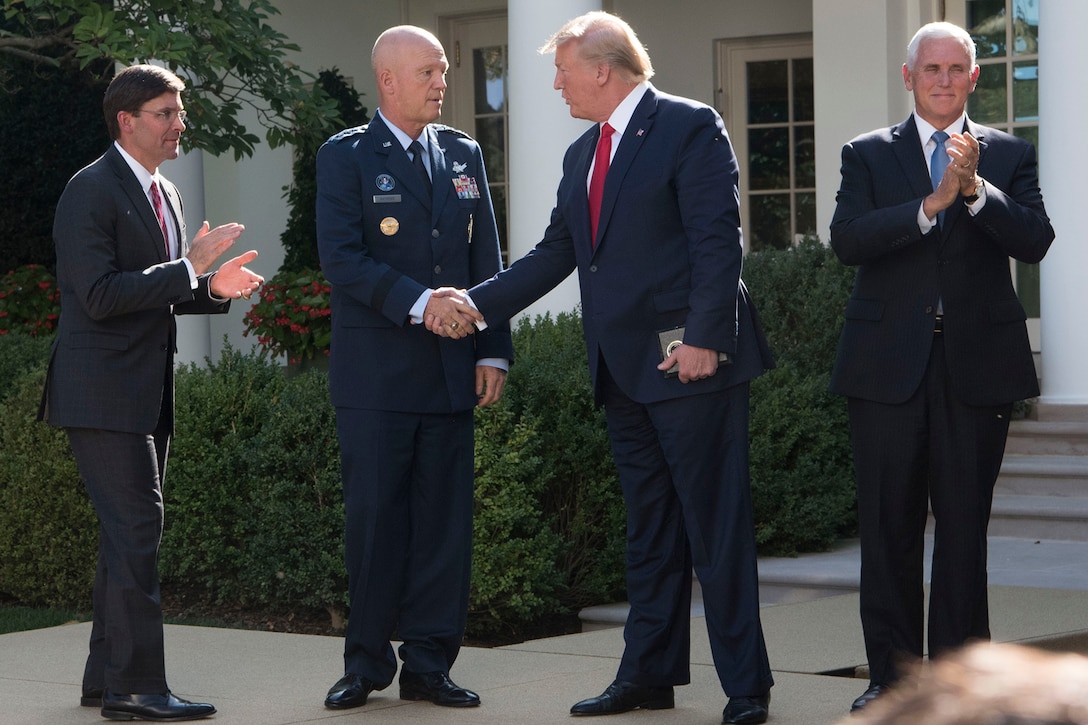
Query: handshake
point(450, 313)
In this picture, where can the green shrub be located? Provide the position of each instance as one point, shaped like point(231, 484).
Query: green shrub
point(254, 512)
point(549, 390)
point(21, 352)
point(516, 549)
point(220, 409)
point(801, 463)
point(48, 530)
point(296, 510)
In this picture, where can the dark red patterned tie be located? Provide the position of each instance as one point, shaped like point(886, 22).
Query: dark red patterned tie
point(156, 201)
point(596, 183)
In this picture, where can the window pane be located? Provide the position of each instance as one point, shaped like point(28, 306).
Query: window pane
point(770, 221)
point(768, 92)
point(804, 215)
point(989, 102)
point(488, 71)
point(1028, 133)
point(986, 23)
point(1025, 91)
point(768, 158)
point(804, 156)
point(489, 133)
point(803, 106)
point(1025, 27)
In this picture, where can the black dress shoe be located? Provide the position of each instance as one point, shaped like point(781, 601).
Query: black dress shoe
point(623, 696)
point(92, 697)
point(746, 710)
point(351, 690)
point(869, 695)
point(436, 687)
point(162, 707)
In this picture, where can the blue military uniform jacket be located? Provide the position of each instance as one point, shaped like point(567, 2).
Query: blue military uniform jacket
point(383, 240)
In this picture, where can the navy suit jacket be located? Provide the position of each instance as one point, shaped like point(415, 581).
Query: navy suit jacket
point(112, 360)
point(383, 240)
point(888, 332)
point(668, 252)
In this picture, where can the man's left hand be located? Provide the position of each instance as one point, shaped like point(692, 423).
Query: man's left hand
point(696, 363)
point(234, 280)
point(489, 384)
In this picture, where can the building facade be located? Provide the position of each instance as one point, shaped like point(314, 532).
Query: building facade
point(793, 79)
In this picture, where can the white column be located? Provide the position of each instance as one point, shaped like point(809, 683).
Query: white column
point(187, 173)
point(856, 45)
point(1062, 160)
point(541, 128)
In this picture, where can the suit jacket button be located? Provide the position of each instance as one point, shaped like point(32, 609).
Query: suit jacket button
point(438, 269)
point(592, 268)
point(434, 233)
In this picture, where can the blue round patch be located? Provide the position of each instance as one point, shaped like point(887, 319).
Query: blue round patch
point(385, 182)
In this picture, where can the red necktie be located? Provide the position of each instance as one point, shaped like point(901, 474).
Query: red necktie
point(596, 183)
point(156, 201)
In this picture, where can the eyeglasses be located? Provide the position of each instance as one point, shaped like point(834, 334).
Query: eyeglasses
point(166, 116)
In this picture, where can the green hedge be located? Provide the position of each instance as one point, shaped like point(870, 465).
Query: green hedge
point(801, 462)
point(252, 492)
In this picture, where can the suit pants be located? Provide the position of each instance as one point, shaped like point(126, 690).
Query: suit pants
point(934, 451)
point(408, 500)
point(683, 468)
point(123, 476)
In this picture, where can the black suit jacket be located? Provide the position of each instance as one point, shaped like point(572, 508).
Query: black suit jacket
point(886, 339)
point(112, 360)
point(668, 252)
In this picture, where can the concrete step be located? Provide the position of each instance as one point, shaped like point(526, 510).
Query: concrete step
point(1061, 518)
point(1039, 437)
point(1037, 475)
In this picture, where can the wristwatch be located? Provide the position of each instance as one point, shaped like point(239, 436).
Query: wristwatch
point(978, 192)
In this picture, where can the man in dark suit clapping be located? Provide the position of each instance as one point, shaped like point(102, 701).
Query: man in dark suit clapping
point(647, 212)
point(125, 267)
point(934, 349)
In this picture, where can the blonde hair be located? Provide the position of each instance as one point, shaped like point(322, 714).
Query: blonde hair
point(605, 38)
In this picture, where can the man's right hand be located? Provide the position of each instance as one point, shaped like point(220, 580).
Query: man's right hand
point(209, 244)
point(449, 313)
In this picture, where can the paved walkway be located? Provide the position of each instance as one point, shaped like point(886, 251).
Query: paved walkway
point(1040, 596)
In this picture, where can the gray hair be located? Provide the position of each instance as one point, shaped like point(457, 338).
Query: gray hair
point(933, 31)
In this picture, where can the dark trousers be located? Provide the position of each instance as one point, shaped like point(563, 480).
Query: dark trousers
point(683, 468)
point(123, 473)
point(929, 451)
point(408, 501)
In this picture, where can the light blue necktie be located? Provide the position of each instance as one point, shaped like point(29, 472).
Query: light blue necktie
point(938, 162)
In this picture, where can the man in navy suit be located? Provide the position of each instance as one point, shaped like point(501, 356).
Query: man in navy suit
point(667, 252)
point(403, 208)
point(934, 349)
point(125, 269)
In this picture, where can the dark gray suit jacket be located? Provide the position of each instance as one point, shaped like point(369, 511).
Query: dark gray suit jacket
point(112, 360)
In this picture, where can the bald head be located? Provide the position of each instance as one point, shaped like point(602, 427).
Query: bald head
point(410, 73)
